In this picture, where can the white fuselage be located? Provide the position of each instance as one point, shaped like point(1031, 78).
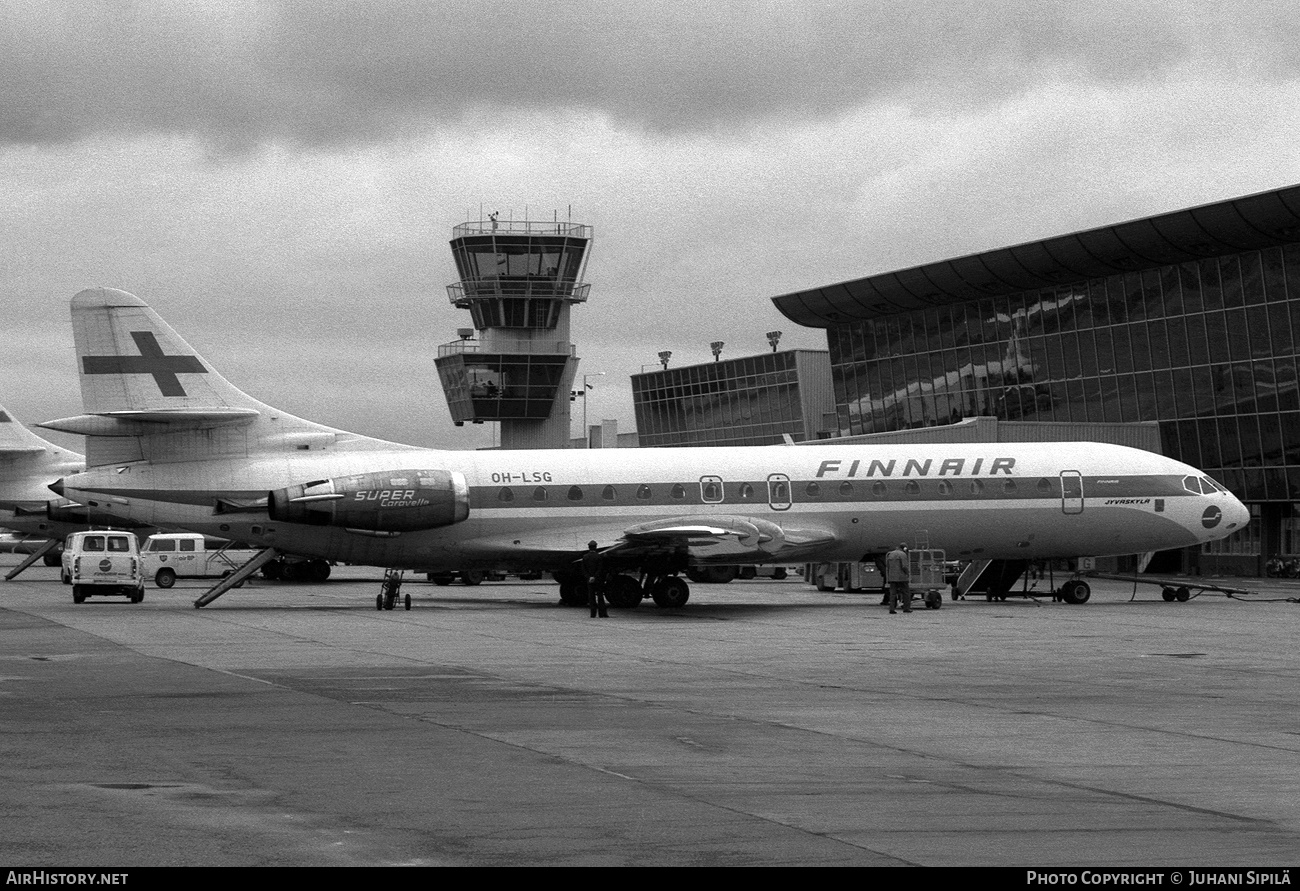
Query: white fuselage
point(535, 509)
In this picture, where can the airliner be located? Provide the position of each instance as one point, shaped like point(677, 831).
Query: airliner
point(172, 443)
point(28, 464)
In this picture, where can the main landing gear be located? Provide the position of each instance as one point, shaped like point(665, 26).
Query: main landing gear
point(1075, 591)
point(626, 591)
point(392, 587)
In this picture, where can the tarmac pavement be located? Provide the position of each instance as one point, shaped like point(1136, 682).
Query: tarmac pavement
point(764, 723)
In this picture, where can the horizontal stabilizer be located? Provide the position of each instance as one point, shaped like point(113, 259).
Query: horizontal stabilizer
point(141, 423)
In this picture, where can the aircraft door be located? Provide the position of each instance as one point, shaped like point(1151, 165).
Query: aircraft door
point(778, 491)
point(711, 489)
point(1071, 492)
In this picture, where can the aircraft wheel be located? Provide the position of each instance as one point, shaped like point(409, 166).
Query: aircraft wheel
point(1075, 592)
point(671, 592)
point(1183, 594)
point(1167, 595)
point(472, 576)
point(273, 570)
point(780, 574)
point(408, 602)
point(165, 578)
point(53, 559)
point(624, 592)
point(573, 592)
point(441, 579)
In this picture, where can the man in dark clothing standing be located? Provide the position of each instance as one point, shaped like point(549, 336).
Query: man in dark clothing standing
point(898, 573)
point(595, 575)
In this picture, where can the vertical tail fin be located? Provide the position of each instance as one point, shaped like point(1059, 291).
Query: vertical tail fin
point(28, 464)
point(131, 361)
point(149, 395)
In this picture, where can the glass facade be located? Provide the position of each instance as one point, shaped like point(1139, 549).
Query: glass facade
point(1207, 348)
point(749, 401)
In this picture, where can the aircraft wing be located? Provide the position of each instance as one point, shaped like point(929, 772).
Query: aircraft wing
point(709, 539)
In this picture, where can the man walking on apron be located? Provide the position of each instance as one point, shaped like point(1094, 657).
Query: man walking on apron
point(898, 574)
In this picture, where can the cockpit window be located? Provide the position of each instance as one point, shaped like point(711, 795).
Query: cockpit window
point(1218, 487)
point(1194, 485)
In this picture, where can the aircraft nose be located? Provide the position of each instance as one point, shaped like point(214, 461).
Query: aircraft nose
point(1236, 514)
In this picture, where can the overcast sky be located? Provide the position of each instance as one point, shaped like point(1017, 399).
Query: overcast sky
point(280, 180)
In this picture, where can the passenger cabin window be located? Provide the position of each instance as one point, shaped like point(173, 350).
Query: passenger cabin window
point(678, 491)
point(1044, 486)
point(1009, 487)
point(878, 488)
point(505, 495)
point(945, 487)
point(976, 487)
point(746, 491)
point(912, 487)
point(643, 492)
point(711, 489)
point(608, 493)
point(778, 491)
point(575, 493)
point(813, 490)
point(539, 494)
point(846, 490)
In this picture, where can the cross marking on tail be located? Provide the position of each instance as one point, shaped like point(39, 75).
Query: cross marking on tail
point(151, 360)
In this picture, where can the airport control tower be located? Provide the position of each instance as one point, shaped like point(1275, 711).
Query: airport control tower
point(518, 280)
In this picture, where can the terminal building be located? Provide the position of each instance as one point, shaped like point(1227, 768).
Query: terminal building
point(1187, 320)
point(519, 279)
point(754, 400)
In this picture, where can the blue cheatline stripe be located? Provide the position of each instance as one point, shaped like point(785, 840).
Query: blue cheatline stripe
point(955, 490)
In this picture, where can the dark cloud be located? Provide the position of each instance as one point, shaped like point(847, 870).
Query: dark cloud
point(336, 73)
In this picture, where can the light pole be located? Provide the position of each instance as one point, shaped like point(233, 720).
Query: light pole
point(586, 431)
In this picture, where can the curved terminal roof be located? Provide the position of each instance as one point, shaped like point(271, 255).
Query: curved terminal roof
point(1240, 224)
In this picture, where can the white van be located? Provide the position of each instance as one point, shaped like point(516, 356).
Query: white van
point(103, 563)
point(172, 555)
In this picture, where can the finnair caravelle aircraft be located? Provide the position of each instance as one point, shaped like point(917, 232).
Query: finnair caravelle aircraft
point(171, 442)
point(28, 464)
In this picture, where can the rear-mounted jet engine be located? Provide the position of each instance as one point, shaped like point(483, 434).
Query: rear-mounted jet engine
point(390, 501)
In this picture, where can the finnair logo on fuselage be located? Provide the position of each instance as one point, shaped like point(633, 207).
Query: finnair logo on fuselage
point(913, 467)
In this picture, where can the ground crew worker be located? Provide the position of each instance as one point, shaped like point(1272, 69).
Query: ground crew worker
point(595, 574)
point(898, 574)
